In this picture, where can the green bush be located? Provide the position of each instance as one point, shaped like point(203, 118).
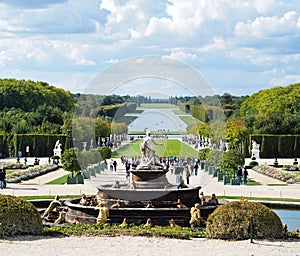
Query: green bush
point(231, 160)
point(203, 153)
point(18, 217)
point(232, 221)
point(214, 157)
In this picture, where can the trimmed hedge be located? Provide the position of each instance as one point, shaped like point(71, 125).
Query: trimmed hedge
point(18, 217)
point(276, 146)
point(231, 221)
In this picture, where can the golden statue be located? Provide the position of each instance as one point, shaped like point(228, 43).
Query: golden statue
point(103, 213)
point(196, 219)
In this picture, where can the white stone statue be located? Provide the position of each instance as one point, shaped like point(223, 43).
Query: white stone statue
point(255, 150)
point(57, 149)
point(148, 153)
point(255, 145)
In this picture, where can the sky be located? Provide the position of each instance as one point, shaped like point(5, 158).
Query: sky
point(238, 46)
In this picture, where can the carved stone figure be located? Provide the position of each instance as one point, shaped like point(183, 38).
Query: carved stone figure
point(57, 149)
point(148, 153)
point(255, 150)
point(53, 207)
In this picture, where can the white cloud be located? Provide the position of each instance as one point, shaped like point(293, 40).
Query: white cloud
point(285, 80)
point(250, 38)
point(287, 24)
point(183, 56)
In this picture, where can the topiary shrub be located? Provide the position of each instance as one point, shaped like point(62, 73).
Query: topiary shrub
point(18, 217)
point(232, 221)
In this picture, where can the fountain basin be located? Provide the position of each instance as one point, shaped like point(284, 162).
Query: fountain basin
point(188, 195)
point(135, 212)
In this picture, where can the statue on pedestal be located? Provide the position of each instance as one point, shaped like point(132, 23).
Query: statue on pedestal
point(255, 150)
point(57, 149)
point(149, 157)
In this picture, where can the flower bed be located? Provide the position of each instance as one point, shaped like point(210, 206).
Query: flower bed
point(16, 166)
point(288, 174)
point(17, 176)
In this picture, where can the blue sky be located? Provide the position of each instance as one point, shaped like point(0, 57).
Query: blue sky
point(239, 47)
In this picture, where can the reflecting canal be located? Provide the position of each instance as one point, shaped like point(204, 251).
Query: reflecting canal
point(291, 217)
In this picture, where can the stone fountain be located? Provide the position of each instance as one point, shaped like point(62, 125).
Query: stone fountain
point(147, 183)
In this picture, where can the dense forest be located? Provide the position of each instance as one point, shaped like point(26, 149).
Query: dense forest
point(33, 107)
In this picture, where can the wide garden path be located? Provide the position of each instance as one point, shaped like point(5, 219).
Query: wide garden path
point(270, 187)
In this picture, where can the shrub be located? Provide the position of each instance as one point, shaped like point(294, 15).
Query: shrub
point(232, 221)
point(203, 153)
point(18, 217)
point(214, 157)
point(231, 160)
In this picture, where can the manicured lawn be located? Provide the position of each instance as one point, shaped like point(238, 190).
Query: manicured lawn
point(171, 147)
point(261, 198)
point(126, 119)
point(178, 112)
point(189, 120)
point(137, 111)
point(157, 105)
point(252, 183)
point(59, 181)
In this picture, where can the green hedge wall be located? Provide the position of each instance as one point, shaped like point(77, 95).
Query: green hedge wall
point(40, 145)
point(199, 112)
point(3, 145)
point(280, 146)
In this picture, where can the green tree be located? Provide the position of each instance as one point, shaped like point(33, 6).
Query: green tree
point(236, 132)
point(273, 111)
point(214, 157)
point(230, 161)
point(69, 160)
point(102, 128)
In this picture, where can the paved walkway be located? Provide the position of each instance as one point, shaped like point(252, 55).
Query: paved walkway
point(38, 186)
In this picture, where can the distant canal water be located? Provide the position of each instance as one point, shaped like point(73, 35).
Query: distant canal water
point(158, 120)
point(291, 217)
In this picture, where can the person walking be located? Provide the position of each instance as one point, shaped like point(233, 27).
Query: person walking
point(239, 174)
point(187, 174)
point(245, 176)
point(2, 177)
point(115, 165)
point(196, 167)
point(111, 165)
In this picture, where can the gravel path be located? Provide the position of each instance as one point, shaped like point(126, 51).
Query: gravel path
point(131, 246)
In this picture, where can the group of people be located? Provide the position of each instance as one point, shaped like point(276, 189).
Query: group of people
point(242, 175)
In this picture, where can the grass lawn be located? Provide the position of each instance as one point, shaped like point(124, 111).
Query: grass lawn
point(178, 112)
point(50, 197)
point(126, 119)
point(59, 181)
point(137, 111)
point(260, 198)
point(189, 120)
point(171, 147)
point(157, 105)
point(252, 183)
